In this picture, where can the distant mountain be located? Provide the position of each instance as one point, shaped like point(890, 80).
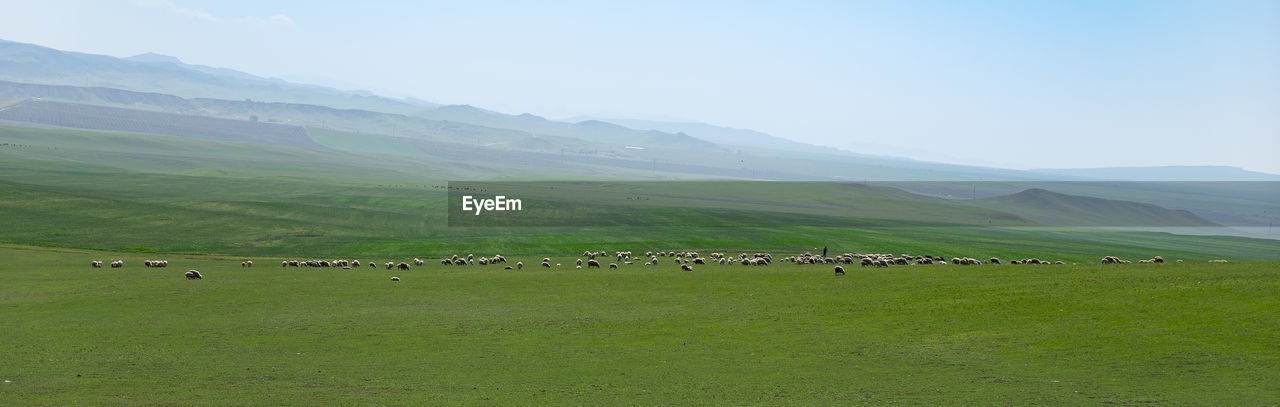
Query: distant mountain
point(716, 134)
point(594, 131)
point(1167, 173)
point(149, 72)
point(1052, 208)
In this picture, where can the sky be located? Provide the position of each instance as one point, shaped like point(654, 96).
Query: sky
point(1014, 84)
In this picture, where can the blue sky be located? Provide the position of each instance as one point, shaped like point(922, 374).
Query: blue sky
point(1021, 84)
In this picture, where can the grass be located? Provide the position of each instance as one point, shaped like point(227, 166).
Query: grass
point(158, 194)
point(1171, 334)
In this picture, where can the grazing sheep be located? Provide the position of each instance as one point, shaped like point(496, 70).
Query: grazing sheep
point(579, 262)
point(284, 263)
point(1157, 259)
point(593, 264)
point(96, 264)
point(519, 265)
point(1217, 261)
point(117, 264)
point(686, 267)
point(418, 262)
point(613, 266)
point(355, 263)
point(1177, 261)
point(373, 264)
point(507, 268)
point(394, 278)
point(866, 261)
point(194, 275)
point(446, 262)
point(993, 260)
point(547, 265)
point(389, 265)
point(403, 266)
point(577, 267)
point(839, 270)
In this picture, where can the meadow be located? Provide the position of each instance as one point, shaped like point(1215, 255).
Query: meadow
point(1191, 333)
point(1167, 334)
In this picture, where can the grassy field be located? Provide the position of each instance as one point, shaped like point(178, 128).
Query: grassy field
point(156, 194)
point(1192, 333)
point(1170, 334)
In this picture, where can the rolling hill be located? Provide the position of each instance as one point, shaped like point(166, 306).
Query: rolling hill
point(1052, 208)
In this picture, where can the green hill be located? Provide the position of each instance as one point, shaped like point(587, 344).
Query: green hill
point(1052, 208)
point(94, 117)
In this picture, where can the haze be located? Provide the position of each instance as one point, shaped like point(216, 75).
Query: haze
point(1006, 84)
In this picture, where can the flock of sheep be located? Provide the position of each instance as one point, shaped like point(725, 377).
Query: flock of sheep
point(685, 259)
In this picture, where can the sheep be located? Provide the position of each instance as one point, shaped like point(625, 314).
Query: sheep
point(418, 262)
point(194, 275)
point(546, 265)
point(519, 265)
point(579, 262)
point(686, 267)
point(993, 260)
point(96, 264)
point(394, 278)
point(613, 266)
point(593, 264)
point(354, 263)
point(839, 270)
point(1217, 261)
point(373, 264)
point(403, 266)
point(507, 268)
point(284, 263)
point(1157, 259)
point(117, 264)
point(389, 265)
point(577, 267)
point(866, 261)
point(446, 262)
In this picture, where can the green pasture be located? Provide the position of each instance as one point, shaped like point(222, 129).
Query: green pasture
point(1165, 334)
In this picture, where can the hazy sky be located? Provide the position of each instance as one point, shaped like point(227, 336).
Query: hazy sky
point(1021, 84)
